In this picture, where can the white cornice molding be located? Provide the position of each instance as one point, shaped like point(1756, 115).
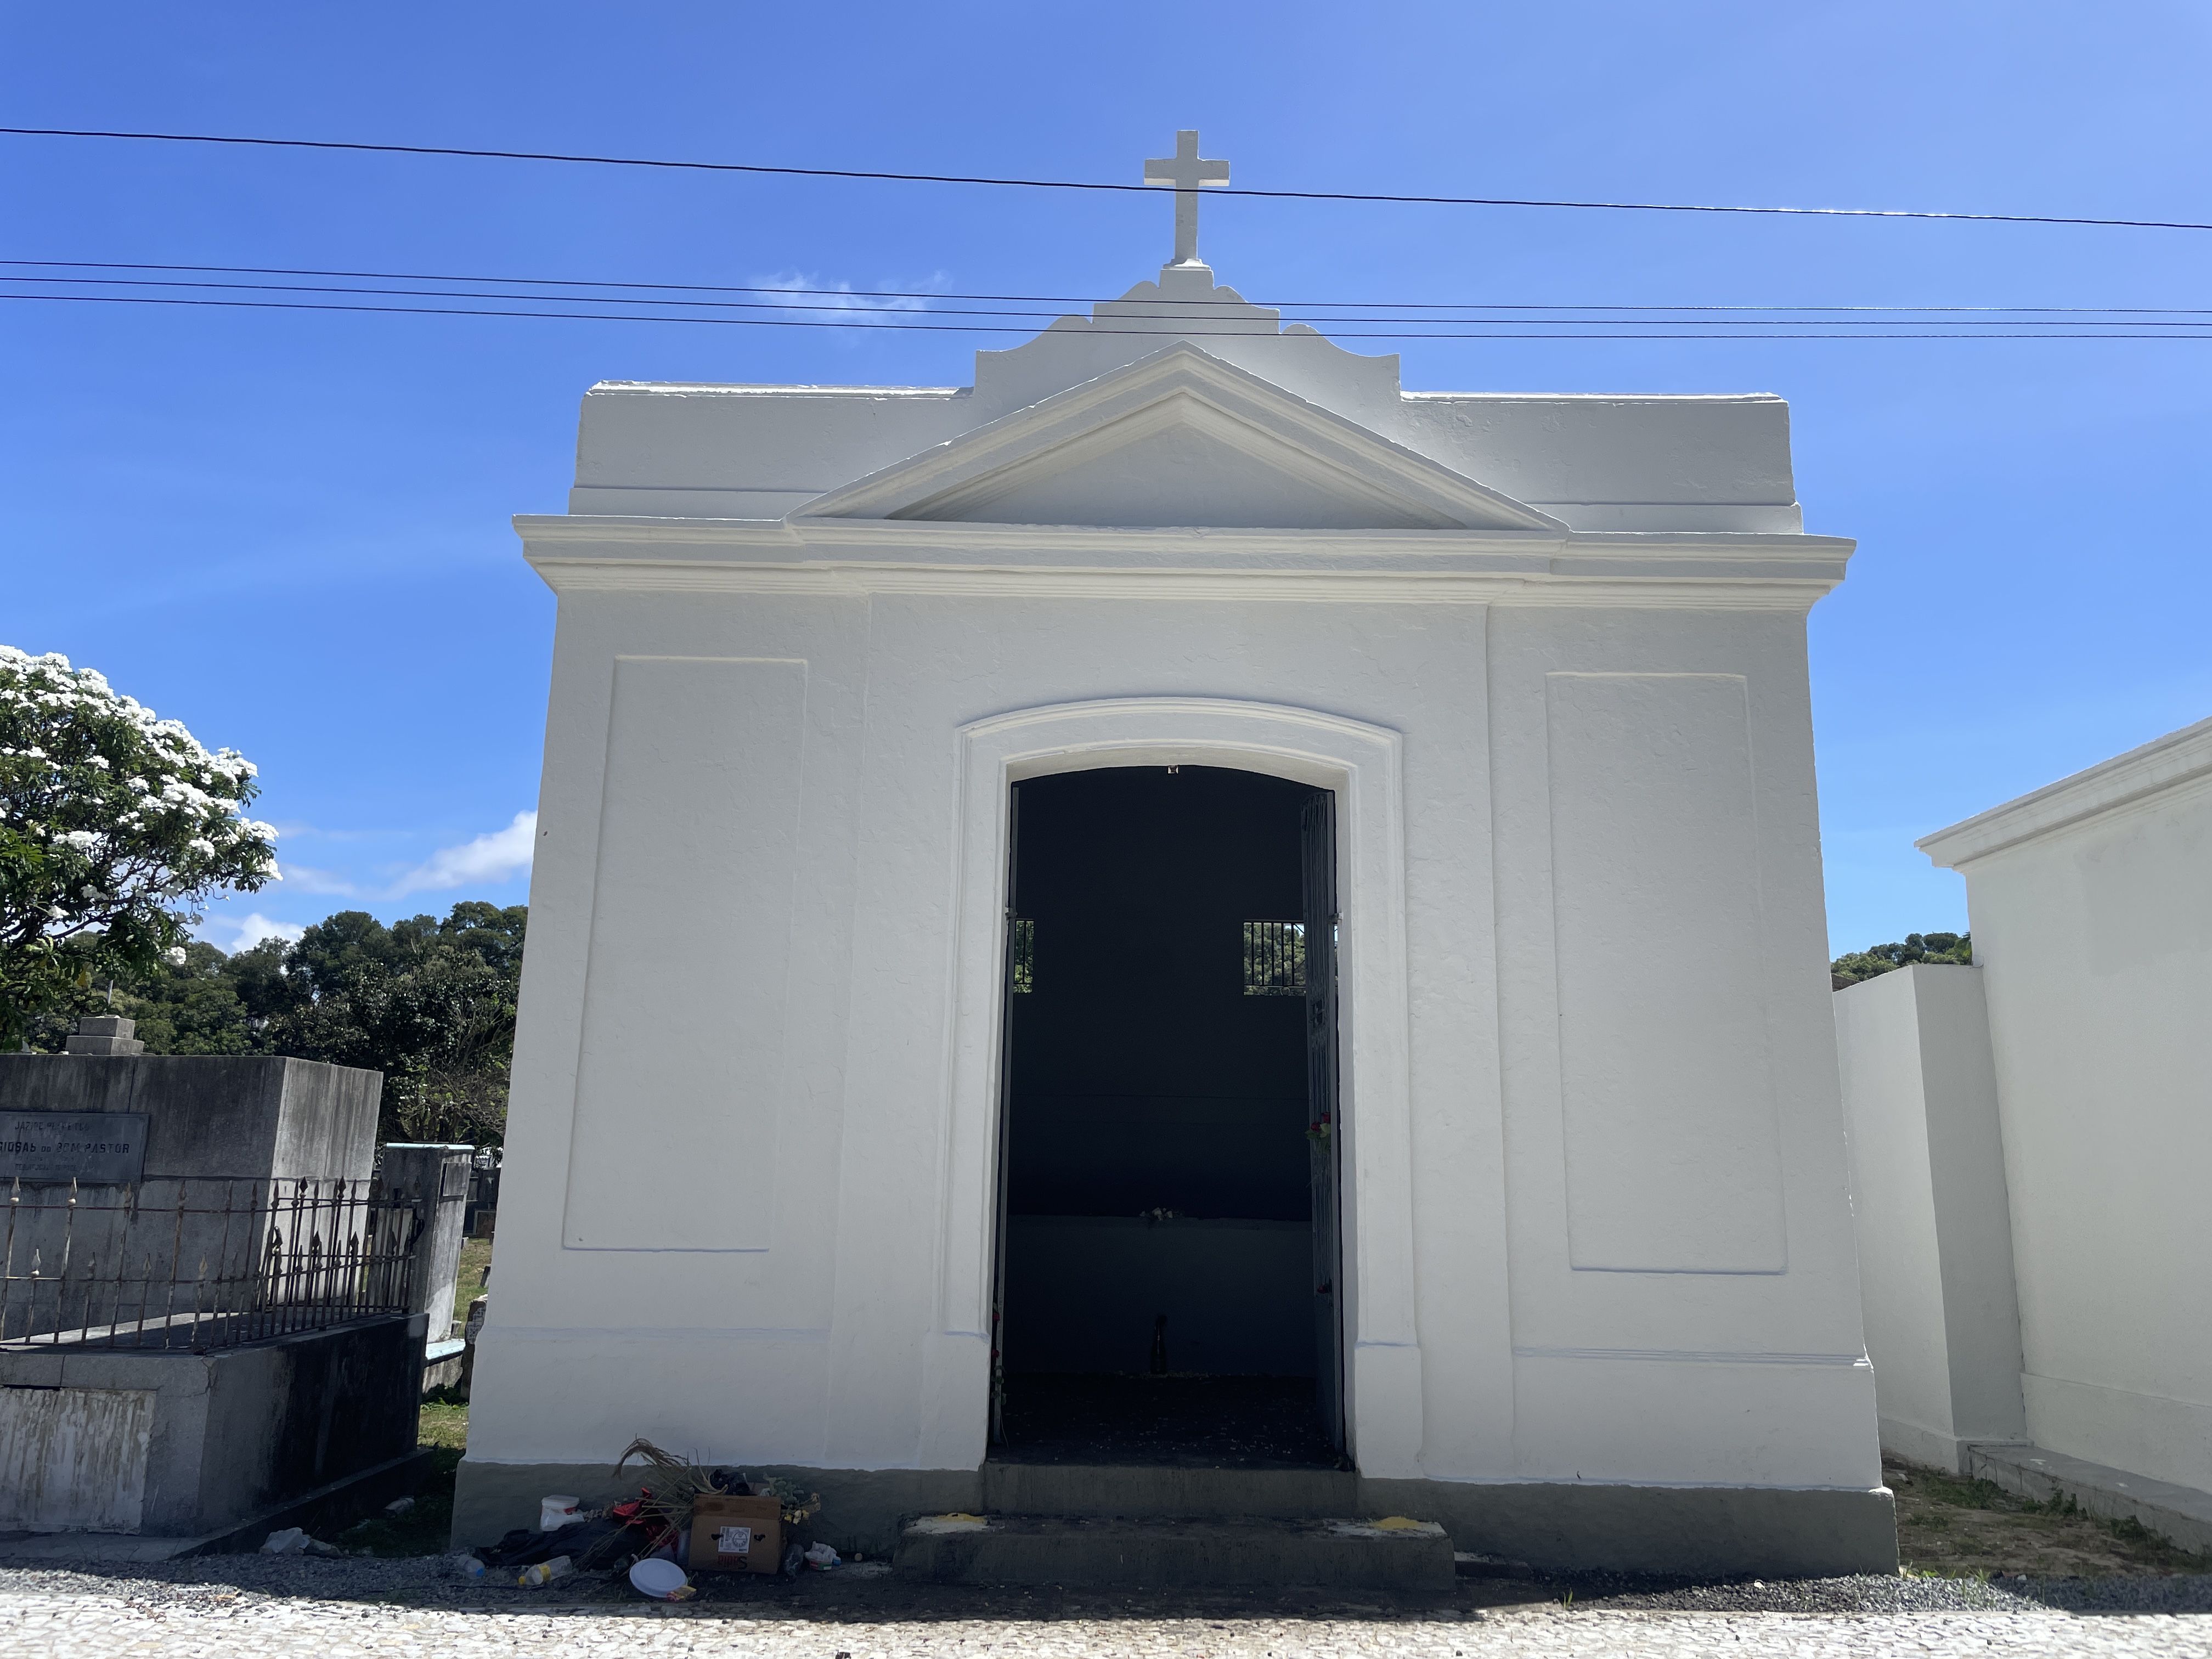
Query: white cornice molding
point(2165, 763)
point(1732, 593)
point(625, 537)
point(849, 557)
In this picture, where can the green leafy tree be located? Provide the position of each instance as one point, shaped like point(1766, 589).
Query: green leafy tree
point(430, 1003)
point(192, 1007)
point(114, 826)
point(1856, 965)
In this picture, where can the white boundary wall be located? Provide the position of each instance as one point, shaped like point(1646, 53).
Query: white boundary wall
point(2092, 906)
point(1928, 1193)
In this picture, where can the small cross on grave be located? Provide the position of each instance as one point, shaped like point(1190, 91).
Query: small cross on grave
point(1186, 174)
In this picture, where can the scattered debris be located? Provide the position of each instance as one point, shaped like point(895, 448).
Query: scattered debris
point(545, 1572)
point(955, 1521)
point(660, 1580)
point(294, 1540)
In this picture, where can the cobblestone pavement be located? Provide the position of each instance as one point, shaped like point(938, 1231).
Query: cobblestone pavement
point(263, 1609)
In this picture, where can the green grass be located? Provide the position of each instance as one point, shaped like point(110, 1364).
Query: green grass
point(426, 1527)
point(443, 1430)
point(476, 1261)
point(1953, 1527)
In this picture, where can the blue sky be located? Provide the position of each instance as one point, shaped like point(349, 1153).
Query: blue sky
point(291, 531)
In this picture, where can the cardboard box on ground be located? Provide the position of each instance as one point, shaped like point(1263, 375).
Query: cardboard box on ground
point(731, 1533)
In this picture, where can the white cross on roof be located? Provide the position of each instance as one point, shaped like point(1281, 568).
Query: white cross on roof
point(1185, 174)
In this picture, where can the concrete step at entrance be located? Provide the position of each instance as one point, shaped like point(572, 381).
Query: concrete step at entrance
point(1161, 1552)
point(1166, 1490)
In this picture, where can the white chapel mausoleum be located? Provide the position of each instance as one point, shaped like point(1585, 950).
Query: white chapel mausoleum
point(1181, 930)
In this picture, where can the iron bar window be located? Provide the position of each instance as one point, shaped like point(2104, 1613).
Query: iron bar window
point(1274, 958)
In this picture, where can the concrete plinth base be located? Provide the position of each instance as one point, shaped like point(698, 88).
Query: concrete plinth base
point(1153, 1490)
point(861, 1509)
point(1026, 1549)
point(1930, 1446)
point(182, 1444)
point(2182, 1514)
point(1565, 1525)
point(322, 1514)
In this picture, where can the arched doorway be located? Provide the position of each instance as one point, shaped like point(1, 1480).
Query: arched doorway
point(1168, 1249)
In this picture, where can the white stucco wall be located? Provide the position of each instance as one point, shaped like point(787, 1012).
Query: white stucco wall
point(1596, 1219)
point(2092, 911)
point(1928, 1195)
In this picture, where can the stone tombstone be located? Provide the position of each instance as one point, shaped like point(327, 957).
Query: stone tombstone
point(164, 1165)
point(104, 1034)
point(439, 1173)
point(163, 1371)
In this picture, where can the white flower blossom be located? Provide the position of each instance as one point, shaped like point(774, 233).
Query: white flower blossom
point(135, 863)
point(174, 955)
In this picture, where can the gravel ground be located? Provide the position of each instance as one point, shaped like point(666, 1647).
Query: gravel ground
point(267, 1608)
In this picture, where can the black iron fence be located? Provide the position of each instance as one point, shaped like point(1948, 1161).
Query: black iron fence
point(198, 1265)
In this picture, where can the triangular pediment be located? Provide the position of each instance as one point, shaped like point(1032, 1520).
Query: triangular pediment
point(1179, 438)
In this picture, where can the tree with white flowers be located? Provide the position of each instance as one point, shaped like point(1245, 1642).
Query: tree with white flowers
point(114, 825)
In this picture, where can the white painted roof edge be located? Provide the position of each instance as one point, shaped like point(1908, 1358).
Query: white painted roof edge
point(1595, 396)
point(728, 389)
point(2164, 764)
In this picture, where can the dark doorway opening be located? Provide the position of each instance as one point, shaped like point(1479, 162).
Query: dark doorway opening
point(1168, 1243)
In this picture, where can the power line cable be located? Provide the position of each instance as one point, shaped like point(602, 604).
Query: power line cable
point(984, 328)
point(2135, 321)
point(1185, 307)
point(1072, 184)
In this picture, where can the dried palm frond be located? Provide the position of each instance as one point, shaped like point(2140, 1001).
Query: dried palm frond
point(677, 1483)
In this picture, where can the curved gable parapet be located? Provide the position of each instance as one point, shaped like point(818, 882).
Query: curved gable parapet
point(1185, 305)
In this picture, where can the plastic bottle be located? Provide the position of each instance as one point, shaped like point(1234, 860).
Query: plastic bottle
point(545, 1572)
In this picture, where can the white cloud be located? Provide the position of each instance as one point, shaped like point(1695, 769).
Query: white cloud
point(255, 927)
point(487, 859)
point(809, 294)
point(299, 879)
point(814, 301)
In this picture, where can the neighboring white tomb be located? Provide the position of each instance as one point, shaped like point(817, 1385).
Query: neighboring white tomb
point(1184, 857)
point(2030, 1139)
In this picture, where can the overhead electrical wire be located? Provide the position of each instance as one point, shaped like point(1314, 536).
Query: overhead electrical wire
point(1035, 317)
point(1182, 308)
point(1091, 185)
point(1523, 333)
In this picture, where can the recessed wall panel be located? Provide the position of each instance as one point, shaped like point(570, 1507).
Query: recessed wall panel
point(692, 923)
point(1673, 1163)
